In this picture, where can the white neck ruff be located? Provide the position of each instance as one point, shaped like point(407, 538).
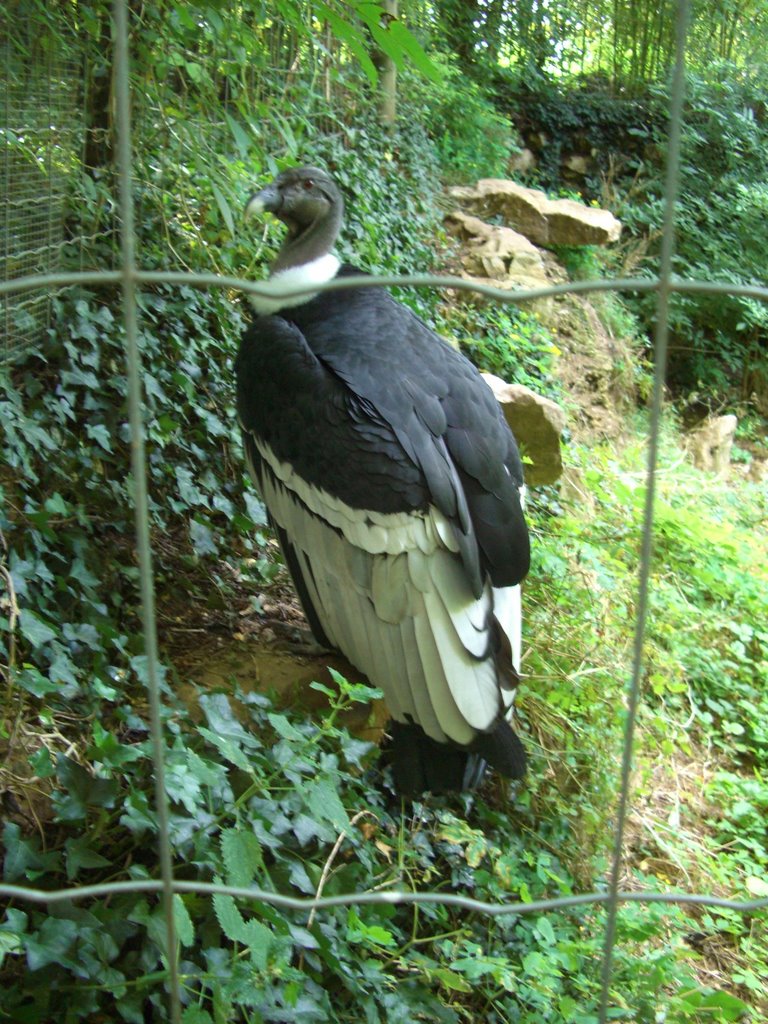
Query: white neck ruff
point(308, 275)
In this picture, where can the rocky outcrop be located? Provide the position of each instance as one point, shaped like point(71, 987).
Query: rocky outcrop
point(537, 423)
point(495, 251)
point(496, 255)
point(594, 365)
point(544, 221)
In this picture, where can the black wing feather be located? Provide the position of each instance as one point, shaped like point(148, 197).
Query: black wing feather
point(331, 436)
point(445, 418)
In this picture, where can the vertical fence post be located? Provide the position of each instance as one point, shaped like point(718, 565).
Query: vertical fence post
point(139, 472)
point(646, 551)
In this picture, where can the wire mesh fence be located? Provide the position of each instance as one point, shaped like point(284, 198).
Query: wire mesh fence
point(41, 131)
point(24, 282)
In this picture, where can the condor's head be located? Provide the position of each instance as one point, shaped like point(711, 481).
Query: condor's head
point(308, 202)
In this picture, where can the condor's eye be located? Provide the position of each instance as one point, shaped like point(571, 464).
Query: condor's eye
point(308, 183)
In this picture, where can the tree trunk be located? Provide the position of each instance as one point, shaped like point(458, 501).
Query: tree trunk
point(388, 77)
point(493, 30)
point(99, 138)
point(459, 18)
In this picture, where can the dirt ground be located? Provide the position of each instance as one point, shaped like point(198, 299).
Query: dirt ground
point(262, 643)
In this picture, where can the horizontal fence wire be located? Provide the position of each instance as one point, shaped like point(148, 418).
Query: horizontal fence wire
point(388, 897)
point(130, 278)
point(678, 285)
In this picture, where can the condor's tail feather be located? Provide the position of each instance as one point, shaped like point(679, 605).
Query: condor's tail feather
point(420, 764)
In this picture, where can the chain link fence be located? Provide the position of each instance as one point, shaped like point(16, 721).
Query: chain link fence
point(24, 285)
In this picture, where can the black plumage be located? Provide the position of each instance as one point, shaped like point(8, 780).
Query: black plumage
point(394, 485)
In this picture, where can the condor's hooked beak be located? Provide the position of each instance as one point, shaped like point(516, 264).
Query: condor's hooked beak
point(266, 201)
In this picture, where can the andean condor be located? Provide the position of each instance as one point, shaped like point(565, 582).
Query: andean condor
point(395, 487)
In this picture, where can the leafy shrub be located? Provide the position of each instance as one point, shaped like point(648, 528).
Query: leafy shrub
point(67, 516)
point(584, 116)
point(265, 797)
point(718, 341)
point(507, 341)
point(472, 138)
point(704, 679)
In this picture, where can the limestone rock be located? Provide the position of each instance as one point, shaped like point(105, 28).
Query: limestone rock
point(572, 223)
point(521, 208)
point(498, 256)
point(537, 423)
point(522, 162)
point(577, 166)
point(543, 221)
point(710, 443)
point(493, 251)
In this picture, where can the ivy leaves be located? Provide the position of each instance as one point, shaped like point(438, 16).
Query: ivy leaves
point(68, 516)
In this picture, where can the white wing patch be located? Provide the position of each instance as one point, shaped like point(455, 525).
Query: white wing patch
point(374, 532)
point(391, 594)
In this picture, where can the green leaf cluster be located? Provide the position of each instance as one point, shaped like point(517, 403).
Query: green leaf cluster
point(703, 685)
point(507, 341)
point(718, 342)
point(67, 513)
point(266, 798)
point(473, 135)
